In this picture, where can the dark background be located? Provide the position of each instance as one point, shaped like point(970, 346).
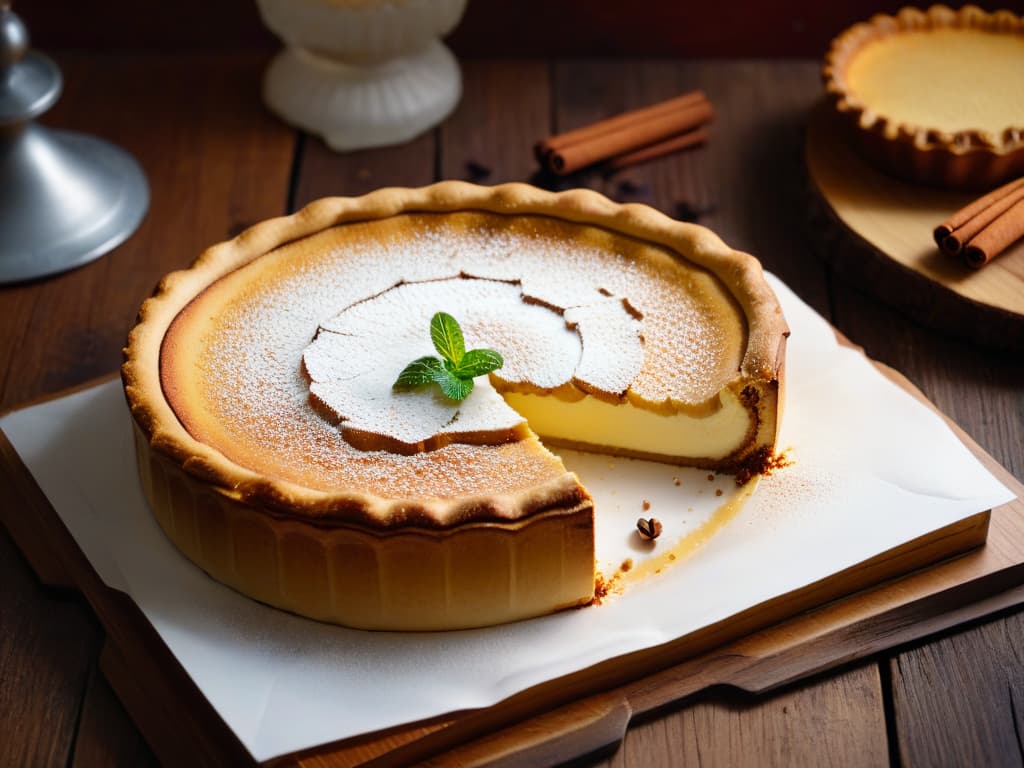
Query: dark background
point(721, 28)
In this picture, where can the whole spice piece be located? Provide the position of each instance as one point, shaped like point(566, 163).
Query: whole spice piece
point(630, 138)
point(648, 528)
point(984, 229)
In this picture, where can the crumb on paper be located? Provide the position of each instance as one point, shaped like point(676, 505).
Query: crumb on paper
point(604, 586)
point(646, 505)
point(718, 491)
point(762, 462)
point(778, 461)
point(711, 477)
point(676, 481)
point(601, 589)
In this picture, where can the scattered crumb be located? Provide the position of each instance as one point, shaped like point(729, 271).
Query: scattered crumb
point(628, 189)
point(711, 477)
point(605, 586)
point(718, 491)
point(675, 481)
point(646, 505)
point(477, 172)
point(671, 557)
point(762, 462)
point(686, 211)
point(779, 461)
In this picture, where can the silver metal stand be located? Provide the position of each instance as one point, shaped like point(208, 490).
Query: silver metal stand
point(65, 198)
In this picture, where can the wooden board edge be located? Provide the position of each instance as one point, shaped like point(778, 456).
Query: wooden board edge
point(21, 524)
point(920, 553)
point(61, 563)
point(909, 292)
point(81, 387)
point(589, 725)
point(965, 537)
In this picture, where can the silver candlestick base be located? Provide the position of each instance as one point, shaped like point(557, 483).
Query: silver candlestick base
point(65, 198)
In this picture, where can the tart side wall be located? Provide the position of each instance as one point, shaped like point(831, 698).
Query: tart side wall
point(476, 575)
point(971, 159)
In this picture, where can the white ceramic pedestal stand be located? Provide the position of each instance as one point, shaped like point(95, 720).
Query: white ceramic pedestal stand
point(362, 73)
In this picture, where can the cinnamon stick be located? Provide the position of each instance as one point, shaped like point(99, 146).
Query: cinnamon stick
point(965, 214)
point(996, 237)
point(617, 123)
point(660, 149)
point(605, 145)
point(960, 236)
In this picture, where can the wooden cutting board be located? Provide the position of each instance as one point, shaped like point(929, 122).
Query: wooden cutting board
point(876, 231)
point(885, 602)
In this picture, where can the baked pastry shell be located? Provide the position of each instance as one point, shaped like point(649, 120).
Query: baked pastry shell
point(741, 273)
point(411, 580)
point(341, 556)
point(969, 159)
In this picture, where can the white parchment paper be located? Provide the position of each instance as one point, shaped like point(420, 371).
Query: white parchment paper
point(872, 468)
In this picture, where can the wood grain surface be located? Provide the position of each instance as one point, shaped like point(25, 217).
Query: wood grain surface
point(217, 162)
point(881, 237)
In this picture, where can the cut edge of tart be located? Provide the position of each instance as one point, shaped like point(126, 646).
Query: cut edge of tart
point(960, 158)
point(368, 561)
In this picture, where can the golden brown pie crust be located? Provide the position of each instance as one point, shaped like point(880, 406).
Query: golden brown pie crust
point(969, 159)
point(368, 561)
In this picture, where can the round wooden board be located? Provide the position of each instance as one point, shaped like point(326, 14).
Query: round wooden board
point(876, 231)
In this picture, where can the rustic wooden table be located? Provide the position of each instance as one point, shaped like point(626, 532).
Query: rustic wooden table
point(217, 163)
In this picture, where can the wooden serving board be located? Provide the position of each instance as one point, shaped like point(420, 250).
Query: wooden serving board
point(878, 234)
point(876, 605)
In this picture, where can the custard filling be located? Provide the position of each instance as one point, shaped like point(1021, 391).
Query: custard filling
point(591, 422)
point(950, 79)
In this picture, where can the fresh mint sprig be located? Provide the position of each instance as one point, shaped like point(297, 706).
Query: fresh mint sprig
point(455, 370)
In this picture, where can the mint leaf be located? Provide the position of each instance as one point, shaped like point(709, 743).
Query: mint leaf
point(455, 373)
point(453, 386)
point(424, 370)
point(477, 362)
point(447, 337)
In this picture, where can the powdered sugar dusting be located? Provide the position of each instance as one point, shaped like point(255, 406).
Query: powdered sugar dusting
point(612, 346)
point(258, 394)
point(359, 353)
